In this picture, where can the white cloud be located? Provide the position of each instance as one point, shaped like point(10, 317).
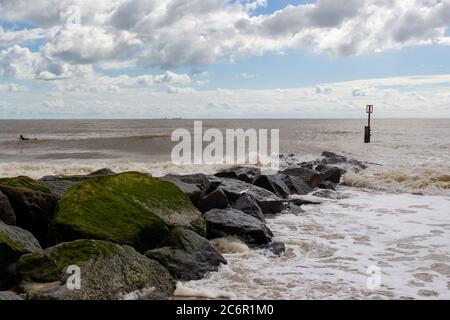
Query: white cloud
point(398, 97)
point(178, 90)
point(170, 33)
point(12, 87)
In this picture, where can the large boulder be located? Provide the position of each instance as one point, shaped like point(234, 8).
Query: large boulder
point(311, 177)
point(191, 190)
point(330, 158)
point(14, 242)
point(59, 185)
point(234, 189)
point(296, 185)
point(187, 255)
point(231, 222)
point(128, 208)
point(248, 205)
point(33, 204)
point(107, 271)
point(215, 200)
point(246, 174)
point(331, 173)
point(273, 183)
point(6, 211)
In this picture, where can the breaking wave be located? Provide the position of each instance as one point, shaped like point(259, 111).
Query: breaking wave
point(39, 169)
point(427, 179)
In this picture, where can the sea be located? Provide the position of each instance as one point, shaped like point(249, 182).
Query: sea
point(384, 234)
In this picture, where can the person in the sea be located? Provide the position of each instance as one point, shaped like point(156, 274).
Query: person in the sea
point(21, 137)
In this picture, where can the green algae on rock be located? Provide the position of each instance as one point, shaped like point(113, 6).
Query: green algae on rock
point(129, 208)
point(14, 242)
point(107, 271)
point(24, 182)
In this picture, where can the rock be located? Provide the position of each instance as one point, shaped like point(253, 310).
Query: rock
point(59, 185)
point(6, 211)
point(248, 205)
point(327, 194)
point(331, 158)
point(187, 255)
point(327, 185)
point(14, 242)
point(309, 176)
point(107, 271)
point(215, 200)
point(273, 183)
point(9, 295)
point(328, 154)
point(246, 174)
point(102, 172)
point(198, 179)
point(224, 222)
point(332, 174)
point(24, 182)
point(128, 208)
point(293, 208)
point(191, 190)
point(266, 200)
point(296, 185)
point(33, 205)
point(277, 247)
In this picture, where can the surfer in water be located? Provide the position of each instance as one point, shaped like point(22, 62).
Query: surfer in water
point(21, 137)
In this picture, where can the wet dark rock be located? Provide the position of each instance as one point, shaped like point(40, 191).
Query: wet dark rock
point(273, 183)
point(246, 174)
point(199, 179)
point(277, 247)
point(191, 190)
point(187, 255)
point(215, 200)
point(331, 158)
point(332, 174)
point(327, 185)
point(292, 208)
point(296, 185)
point(6, 211)
point(248, 205)
point(311, 177)
point(266, 200)
point(327, 194)
point(33, 209)
point(231, 222)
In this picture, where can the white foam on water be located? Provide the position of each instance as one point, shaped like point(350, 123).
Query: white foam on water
point(425, 178)
point(37, 170)
point(331, 246)
point(184, 291)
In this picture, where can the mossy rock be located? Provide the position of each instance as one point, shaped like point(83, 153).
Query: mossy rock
point(107, 271)
point(24, 182)
point(129, 208)
point(187, 255)
point(14, 242)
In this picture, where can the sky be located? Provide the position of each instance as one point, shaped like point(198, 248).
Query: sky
point(224, 58)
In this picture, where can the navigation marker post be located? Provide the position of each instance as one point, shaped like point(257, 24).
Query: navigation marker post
point(369, 111)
